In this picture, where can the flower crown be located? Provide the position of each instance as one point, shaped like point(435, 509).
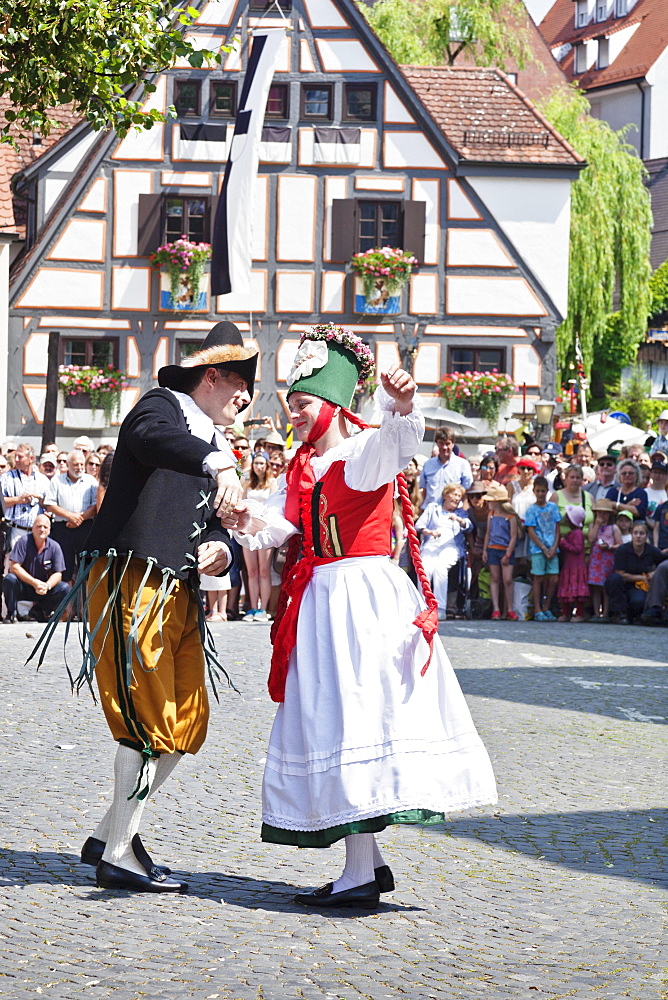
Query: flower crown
point(347, 339)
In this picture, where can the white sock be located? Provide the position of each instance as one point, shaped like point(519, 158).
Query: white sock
point(378, 861)
point(359, 862)
point(126, 812)
point(166, 764)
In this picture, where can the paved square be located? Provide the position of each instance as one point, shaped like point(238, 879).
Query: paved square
point(557, 891)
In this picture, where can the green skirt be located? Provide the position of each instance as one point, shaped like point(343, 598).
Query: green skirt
point(325, 838)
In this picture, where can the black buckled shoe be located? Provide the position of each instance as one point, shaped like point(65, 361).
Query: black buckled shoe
point(384, 878)
point(364, 897)
point(93, 849)
point(112, 877)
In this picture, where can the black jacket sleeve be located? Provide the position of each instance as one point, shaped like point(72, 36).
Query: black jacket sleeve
point(154, 434)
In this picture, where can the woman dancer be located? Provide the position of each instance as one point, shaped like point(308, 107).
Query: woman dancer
point(369, 732)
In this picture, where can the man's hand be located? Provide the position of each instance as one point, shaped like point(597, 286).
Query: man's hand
point(74, 520)
point(212, 558)
point(400, 386)
point(238, 518)
point(229, 491)
point(40, 588)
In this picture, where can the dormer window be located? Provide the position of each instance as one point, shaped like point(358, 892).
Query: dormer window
point(602, 10)
point(582, 14)
point(603, 57)
point(621, 8)
point(581, 58)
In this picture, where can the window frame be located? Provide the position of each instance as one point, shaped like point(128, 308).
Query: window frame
point(601, 5)
point(263, 5)
point(271, 115)
point(371, 86)
point(190, 83)
point(329, 87)
point(603, 53)
point(181, 342)
point(582, 15)
point(580, 54)
point(475, 366)
point(621, 8)
point(379, 203)
point(89, 342)
point(206, 234)
point(213, 113)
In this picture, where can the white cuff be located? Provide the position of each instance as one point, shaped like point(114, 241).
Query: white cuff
point(215, 461)
point(386, 403)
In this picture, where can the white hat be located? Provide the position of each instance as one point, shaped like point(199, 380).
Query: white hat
point(663, 415)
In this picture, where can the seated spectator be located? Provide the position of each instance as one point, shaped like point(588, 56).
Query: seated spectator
point(629, 493)
point(507, 449)
point(660, 442)
point(655, 611)
point(573, 591)
point(541, 520)
point(47, 465)
point(604, 540)
point(628, 585)
point(605, 477)
point(498, 550)
point(656, 488)
point(36, 568)
point(443, 468)
point(442, 527)
point(71, 499)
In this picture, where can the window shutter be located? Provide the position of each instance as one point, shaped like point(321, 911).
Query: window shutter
point(213, 208)
point(414, 226)
point(149, 225)
point(344, 236)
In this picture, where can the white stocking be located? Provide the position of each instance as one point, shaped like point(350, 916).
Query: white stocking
point(166, 764)
point(127, 809)
point(378, 861)
point(359, 862)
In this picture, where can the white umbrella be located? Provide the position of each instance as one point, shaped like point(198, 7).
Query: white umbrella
point(613, 431)
point(441, 415)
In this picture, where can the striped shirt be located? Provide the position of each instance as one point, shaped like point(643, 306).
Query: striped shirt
point(75, 496)
point(15, 484)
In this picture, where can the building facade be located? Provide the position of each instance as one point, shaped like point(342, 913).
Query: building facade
point(455, 165)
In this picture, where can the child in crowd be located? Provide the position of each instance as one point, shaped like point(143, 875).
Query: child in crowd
point(573, 592)
point(216, 589)
point(442, 527)
point(604, 538)
point(499, 547)
point(541, 521)
point(625, 525)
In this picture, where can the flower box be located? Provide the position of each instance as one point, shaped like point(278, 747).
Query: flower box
point(381, 273)
point(382, 302)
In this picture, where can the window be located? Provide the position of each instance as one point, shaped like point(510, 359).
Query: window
point(187, 98)
point(621, 8)
point(359, 225)
point(278, 103)
point(602, 10)
point(317, 101)
point(581, 58)
point(475, 359)
point(582, 14)
point(186, 217)
point(359, 102)
point(186, 349)
point(603, 57)
point(223, 100)
point(285, 5)
point(378, 224)
point(93, 351)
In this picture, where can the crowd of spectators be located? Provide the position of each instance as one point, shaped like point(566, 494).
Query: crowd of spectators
point(545, 535)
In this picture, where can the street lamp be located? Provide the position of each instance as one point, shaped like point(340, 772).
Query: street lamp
point(544, 409)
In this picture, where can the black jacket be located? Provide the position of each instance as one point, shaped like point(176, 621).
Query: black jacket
point(158, 497)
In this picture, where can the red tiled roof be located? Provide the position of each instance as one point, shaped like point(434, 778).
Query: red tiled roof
point(14, 160)
point(487, 118)
point(639, 54)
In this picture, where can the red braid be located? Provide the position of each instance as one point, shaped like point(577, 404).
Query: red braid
point(427, 620)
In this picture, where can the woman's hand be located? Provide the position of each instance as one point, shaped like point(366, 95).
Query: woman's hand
point(212, 558)
point(400, 386)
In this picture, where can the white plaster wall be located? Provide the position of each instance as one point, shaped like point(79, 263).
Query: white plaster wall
point(344, 55)
point(475, 248)
point(395, 110)
point(409, 149)
point(427, 364)
point(294, 291)
point(62, 288)
point(82, 239)
point(131, 288)
point(70, 160)
point(333, 285)
point(619, 108)
point(423, 294)
point(128, 185)
point(52, 188)
point(96, 198)
point(491, 297)
point(295, 227)
point(620, 39)
point(428, 191)
point(535, 215)
point(5, 249)
point(658, 128)
point(323, 14)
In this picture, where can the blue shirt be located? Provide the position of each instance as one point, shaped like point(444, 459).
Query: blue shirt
point(435, 476)
point(544, 521)
point(42, 564)
point(75, 496)
point(15, 484)
point(615, 494)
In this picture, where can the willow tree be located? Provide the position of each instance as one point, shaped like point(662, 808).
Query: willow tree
point(433, 32)
point(611, 228)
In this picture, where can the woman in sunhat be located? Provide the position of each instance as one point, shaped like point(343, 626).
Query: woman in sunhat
point(371, 729)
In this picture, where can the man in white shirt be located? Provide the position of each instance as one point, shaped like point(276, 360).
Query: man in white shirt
point(71, 500)
point(23, 492)
point(444, 468)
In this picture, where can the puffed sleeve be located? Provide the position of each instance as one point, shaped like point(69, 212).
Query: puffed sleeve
point(379, 455)
point(277, 528)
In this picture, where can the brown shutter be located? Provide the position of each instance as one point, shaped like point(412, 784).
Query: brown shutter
point(213, 208)
point(414, 226)
point(344, 236)
point(149, 225)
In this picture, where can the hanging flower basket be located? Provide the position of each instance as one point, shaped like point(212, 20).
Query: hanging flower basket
point(382, 273)
point(477, 394)
point(184, 262)
point(88, 387)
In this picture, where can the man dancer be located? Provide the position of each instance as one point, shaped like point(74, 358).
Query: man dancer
point(156, 528)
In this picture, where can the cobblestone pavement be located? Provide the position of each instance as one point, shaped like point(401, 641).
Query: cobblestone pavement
point(558, 891)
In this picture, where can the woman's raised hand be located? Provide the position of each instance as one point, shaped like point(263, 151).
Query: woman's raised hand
point(398, 384)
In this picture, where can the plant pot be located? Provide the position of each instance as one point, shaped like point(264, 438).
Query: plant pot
point(184, 301)
point(79, 415)
point(381, 303)
point(79, 401)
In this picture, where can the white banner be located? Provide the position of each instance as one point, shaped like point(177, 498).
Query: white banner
point(231, 244)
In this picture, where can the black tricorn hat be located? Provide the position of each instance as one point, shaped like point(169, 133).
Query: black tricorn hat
point(223, 348)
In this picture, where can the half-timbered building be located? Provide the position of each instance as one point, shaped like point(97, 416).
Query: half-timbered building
point(453, 164)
